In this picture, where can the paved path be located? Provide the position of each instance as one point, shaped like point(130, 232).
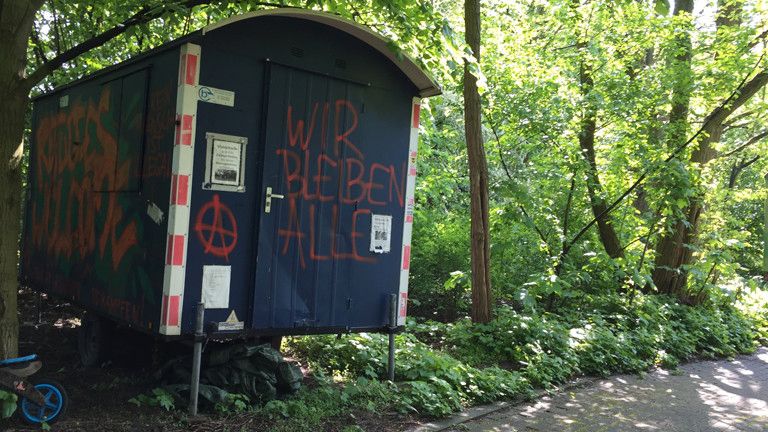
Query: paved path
point(705, 396)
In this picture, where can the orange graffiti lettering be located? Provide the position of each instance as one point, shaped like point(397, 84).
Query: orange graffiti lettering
point(308, 169)
point(70, 217)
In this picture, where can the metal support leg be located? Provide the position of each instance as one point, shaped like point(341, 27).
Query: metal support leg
point(39, 304)
point(196, 359)
point(392, 327)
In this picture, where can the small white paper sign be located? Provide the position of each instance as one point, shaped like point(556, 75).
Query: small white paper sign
point(216, 286)
point(155, 213)
point(225, 164)
point(381, 233)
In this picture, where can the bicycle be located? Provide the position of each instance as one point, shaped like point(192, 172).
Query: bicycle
point(43, 402)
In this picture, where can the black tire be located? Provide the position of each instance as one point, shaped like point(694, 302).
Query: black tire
point(55, 393)
point(93, 340)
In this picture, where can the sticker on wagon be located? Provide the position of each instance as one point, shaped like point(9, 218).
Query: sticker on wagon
point(231, 324)
point(216, 96)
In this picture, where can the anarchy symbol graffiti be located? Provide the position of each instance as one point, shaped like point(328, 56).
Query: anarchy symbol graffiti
point(216, 228)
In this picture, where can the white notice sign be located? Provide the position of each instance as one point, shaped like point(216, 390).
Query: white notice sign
point(216, 286)
point(216, 96)
point(381, 233)
point(226, 162)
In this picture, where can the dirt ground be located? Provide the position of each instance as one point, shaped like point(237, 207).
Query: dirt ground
point(98, 397)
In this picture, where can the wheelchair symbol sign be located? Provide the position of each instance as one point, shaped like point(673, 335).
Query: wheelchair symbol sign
point(205, 94)
point(216, 96)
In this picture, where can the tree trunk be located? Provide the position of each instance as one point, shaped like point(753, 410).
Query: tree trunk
point(11, 131)
point(608, 236)
point(736, 170)
point(672, 252)
point(478, 173)
point(675, 250)
point(16, 18)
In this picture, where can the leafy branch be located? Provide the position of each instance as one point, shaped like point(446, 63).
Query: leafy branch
point(743, 92)
point(144, 15)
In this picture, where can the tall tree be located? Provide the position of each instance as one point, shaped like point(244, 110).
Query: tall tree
point(478, 172)
point(16, 18)
point(588, 128)
point(671, 252)
point(675, 250)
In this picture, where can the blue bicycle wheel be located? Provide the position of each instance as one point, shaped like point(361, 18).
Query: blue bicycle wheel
point(55, 404)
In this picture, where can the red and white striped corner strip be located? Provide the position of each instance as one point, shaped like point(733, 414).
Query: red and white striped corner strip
point(410, 190)
point(180, 194)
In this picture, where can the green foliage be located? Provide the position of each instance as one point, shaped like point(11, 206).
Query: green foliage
point(538, 184)
point(439, 282)
point(158, 397)
point(536, 346)
point(413, 26)
point(233, 403)
point(8, 403)
point(429, 382)
point(441, 367)
point(309, 409)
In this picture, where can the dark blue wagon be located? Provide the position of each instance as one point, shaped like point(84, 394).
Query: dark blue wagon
point(265, 165)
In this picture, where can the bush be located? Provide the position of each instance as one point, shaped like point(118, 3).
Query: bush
point(439, 285)
point(442, 367)
point(310, 408)
point(535, 345)
point(601, 335)
point(429, 382)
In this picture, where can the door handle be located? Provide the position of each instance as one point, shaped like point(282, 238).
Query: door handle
point(268, 200)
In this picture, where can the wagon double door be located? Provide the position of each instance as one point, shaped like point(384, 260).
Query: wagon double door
point(311, 226)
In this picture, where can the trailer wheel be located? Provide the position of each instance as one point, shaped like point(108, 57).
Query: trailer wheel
point(93, 340)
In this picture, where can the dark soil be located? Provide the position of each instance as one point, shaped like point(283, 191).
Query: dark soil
point(98, 397)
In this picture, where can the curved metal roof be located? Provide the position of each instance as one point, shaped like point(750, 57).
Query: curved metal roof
point(426, 85)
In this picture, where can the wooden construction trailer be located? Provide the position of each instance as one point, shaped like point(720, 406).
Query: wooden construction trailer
point(264, 165)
